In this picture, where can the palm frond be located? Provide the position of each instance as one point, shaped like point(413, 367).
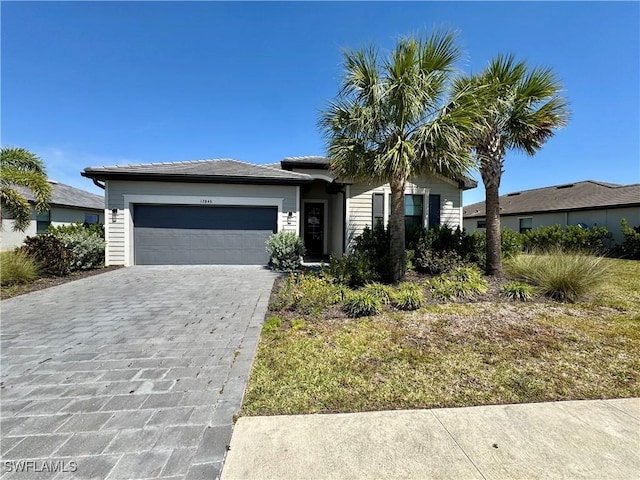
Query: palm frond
point(17, 206)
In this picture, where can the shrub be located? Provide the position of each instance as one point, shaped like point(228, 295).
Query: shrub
point(50, 254)
point(297, 324)
point(285, 250)
point(371, 250)
point(461, 282)
point(307, 293)
point(17, 267)
point(561, 276)
point(272, 324)
point(518, 291)
point(408, 296)
point(570, 239)
point(360, 304)
point(96, 229)
point(354, 269)
point(437, 262)
point(630, 247)
point(384, 293)
point(85, 245)
point(475, 245)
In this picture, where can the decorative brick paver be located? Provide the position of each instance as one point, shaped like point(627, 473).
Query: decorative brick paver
point(134, 373)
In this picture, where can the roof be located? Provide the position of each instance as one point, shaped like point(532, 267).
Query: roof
point(222, 170)
point(585, 195)
point(68, 196)
point(309, 161)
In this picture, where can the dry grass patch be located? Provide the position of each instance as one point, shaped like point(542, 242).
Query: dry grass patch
point(454, 355)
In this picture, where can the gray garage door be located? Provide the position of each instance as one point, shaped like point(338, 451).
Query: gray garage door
point(202, 235)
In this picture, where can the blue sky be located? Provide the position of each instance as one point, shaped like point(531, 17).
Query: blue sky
point(86, 84)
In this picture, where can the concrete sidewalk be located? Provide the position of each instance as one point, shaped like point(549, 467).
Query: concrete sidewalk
point(580, 439)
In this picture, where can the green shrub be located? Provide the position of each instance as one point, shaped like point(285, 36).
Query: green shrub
point(92, 228)
point(297, 324)
point(360, 304)
point(50, 254)
point(307, 293)
point(84, 244)
point(561, 276)
point(408, 296)
point(285, 250)
point(437, 262)
point(371, 249)
point(272, 324)
point(17, 267)
point(630, 246)
point(384, 293)
point(518, 291)
point(409, 256)
point(569, 239)
point(475, 246)
point(354, 269)
point(461, 282)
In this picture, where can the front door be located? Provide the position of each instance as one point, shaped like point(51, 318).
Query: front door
point(314, 228)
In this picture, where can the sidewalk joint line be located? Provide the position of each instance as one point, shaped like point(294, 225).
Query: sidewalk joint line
point(459, 446)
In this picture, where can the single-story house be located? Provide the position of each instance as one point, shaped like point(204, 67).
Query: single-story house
point(589, 203)
point(68, 205)
point(222, 211)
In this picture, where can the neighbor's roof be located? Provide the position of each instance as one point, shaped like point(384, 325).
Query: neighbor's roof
point(223, 170)
point(68, 196)
point(586, 195)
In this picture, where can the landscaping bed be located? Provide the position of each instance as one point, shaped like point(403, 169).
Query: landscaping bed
point(483, 349)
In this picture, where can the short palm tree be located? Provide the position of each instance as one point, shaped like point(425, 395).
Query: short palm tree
point(20, 167)
point(522, 109)
point(393, 119)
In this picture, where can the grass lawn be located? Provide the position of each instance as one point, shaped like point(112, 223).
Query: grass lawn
point(454, 354)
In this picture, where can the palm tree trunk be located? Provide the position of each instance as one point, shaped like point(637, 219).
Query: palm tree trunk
point(491, 171)
point(396, 230)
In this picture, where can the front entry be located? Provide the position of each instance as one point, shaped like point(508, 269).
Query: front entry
point(314, 228)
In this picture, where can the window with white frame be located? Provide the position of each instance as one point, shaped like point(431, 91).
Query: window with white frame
point(377, 209)
point(91, 218)
point(43, 220)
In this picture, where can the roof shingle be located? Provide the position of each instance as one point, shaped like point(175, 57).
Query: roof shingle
point(588, 194)
point(68, 196)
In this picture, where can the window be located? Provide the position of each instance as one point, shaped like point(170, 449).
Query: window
point(481, 224)
point(434, 210)
point(91, 218)
point(378, 209)
point(43, 220)
point(526, 224)
point(413, 210)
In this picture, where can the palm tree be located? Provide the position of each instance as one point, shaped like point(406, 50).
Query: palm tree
point(20, 167)
point(523, 108)
point(393, 119)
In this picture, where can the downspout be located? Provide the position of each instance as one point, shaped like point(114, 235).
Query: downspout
point(97, 183)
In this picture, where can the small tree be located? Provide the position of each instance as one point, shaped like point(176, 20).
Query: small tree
point(522, 110)
point(394, 119)
point(20, 167)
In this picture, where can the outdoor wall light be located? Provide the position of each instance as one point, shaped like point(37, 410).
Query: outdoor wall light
point(289, 218)
point(114, 214)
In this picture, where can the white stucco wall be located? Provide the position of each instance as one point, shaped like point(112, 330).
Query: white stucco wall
point(609, 218)
point(59, 216)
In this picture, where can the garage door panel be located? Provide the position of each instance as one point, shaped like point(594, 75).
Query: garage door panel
point(173, 235)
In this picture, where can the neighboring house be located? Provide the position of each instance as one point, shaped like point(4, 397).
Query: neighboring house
point(222, 211)
point(588, 203)
point(68, 205)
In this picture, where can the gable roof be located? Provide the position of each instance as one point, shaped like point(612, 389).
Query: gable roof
point(68, 196)
point(585, 195)
point(212, 170)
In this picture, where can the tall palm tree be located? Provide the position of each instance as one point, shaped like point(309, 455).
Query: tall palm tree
point(393, 119)
point(20, 167)
point(522, 109)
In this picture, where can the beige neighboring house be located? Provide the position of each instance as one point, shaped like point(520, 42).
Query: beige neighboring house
point(222, 211)
point(68, 205)
point(589, 203)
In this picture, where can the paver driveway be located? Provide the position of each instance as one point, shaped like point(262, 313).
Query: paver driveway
point(134, 373)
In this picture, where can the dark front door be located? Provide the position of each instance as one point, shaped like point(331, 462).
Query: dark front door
point(314, 228)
